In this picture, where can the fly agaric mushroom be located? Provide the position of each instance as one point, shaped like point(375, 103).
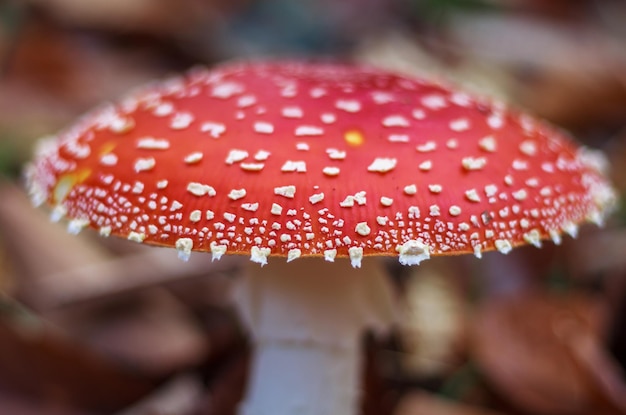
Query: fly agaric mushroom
point(322, 165)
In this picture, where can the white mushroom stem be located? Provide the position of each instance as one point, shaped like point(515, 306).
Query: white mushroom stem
point(307, 319)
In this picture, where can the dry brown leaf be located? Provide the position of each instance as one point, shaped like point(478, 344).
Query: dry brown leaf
point(422, 403)
point(543, 353)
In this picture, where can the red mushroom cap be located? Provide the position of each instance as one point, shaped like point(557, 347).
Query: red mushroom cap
point(303, 159)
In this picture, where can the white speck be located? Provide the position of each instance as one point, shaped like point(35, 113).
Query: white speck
point(214, 129)
point(412, 252)
point(236, 194)
point(410, 189)
point(554, 235)
point(293, 254)
point(151, 143)
point(386, 201)
point(276, 209)
point(176, 205)
point(193, 158)
point(136, 237)
point(246, 101)
point(478, 251)
point(331, 171)
point(250, 207)
point(427, 147)
point(259, 255)
point(398, 138)
point(348, 105)
point(138, 188)
point(335, 154)
point(199, 189)
point(162, 184)
point(488, 143)
point(491, 190)
point(508, 179)
point(183, 247)
point(434, 210)
point(459, 125)
point(532, 182)
point(360, 198)
point(454, 210)
point(461, 99)
point(382, 220)
point(230, 217)
point(144, 164)
point(289, 91)
point(292, 112)
point(302, 146)
point(328, 118)
point(495, 121)
point(316, 198)
point(105, 231)
point(520, 165)
point(108, 159)
point(120, 125)
point(226, 90)
point(435, 188)
point(252, 166)
point(520, 194)
point(533, 237)
point(261, 155)
point(545, 191)
point(382, 165)
point(503, 245)
point(195, 216)
point(472, 195)
point(347, 202)
point(317, 92)
point(362, 229)
point(356, 256)
point(308, 130)
point(382, 97)
point(473, 163)
point(181, 120)
point(294, 166)
point(434, 101)
point(330, 254)
point(164, 109)
point(263, 127)
point(76, 225)
point(396, 121)
point(414, 212)
point(209, 215)
point(571, 228)
point(217, 251)
point(418, 114)
point(528, 147)
point(452, 143)
point(235, 156)
point(426, 165)
point(286, 191)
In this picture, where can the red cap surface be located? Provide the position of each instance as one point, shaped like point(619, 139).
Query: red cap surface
point(300, 159)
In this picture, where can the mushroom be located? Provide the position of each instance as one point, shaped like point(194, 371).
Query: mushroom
point(323, 165)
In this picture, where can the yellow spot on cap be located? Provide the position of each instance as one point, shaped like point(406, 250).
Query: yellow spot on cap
point(354, 138)
point(66, 183)
point(107, 148)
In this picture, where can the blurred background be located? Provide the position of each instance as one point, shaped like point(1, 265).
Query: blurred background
point(93, 326)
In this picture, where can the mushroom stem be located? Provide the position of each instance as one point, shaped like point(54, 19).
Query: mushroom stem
point(307, 319)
